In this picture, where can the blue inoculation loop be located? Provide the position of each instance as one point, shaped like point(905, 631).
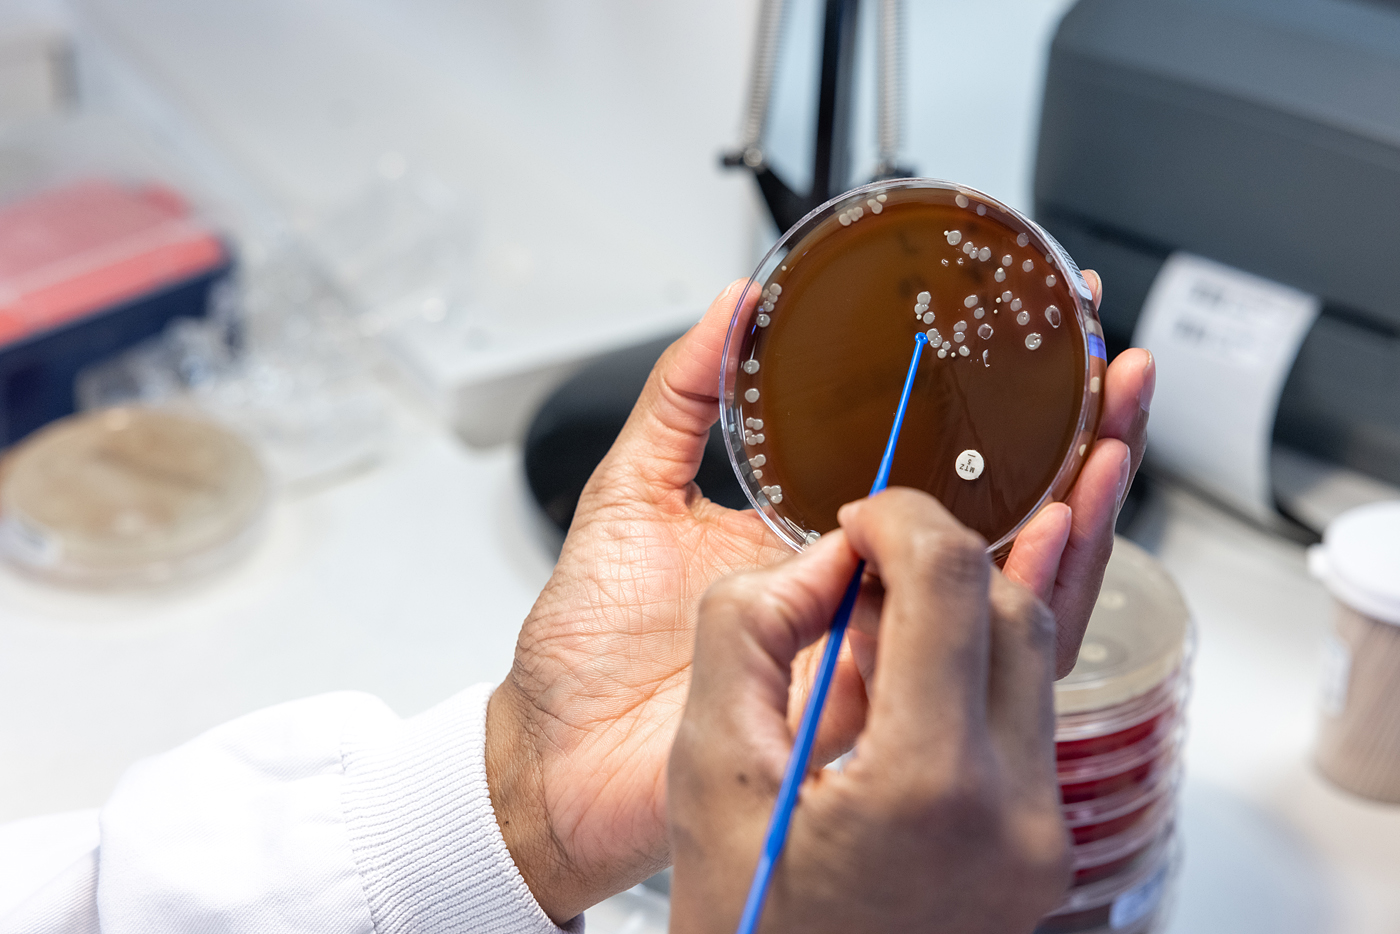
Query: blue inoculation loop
point(807, 731)
point(1096, 348)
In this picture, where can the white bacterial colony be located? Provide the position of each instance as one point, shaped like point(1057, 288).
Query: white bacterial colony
point(857, 210)
point(767, 302)
point(921, 308)
point(956, 345)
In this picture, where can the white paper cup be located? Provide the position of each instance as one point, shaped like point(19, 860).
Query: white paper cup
point(1359, 743)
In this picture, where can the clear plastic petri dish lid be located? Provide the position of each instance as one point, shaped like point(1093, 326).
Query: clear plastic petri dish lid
point(1083, 780)
point(1108, 851)
point(1138, 637)
point(1007, 399)
point(1097, 811)
point(129, 496)
point(1084, 732)
point(1162, 743)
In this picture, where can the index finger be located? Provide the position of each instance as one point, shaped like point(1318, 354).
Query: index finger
point(931, 670)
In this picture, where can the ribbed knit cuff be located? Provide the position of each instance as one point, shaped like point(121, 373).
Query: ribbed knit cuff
point(424, 832)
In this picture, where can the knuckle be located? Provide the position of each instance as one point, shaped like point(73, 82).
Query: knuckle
point(761, 603)
point(949, 552)
point(1025, 615)
point(1031, 616)
point(730, 598)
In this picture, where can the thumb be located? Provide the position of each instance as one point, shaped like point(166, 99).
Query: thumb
point(752, 627)
point(664, 438)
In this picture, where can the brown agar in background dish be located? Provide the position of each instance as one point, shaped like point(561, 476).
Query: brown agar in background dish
point(1007, 399)
point(130, 497)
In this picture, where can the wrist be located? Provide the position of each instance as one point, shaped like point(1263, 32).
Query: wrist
point(515, 780)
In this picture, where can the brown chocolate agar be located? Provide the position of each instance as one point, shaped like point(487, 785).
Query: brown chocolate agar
point(1007, 373)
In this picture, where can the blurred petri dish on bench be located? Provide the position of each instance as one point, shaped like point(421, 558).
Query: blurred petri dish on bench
point(130, 497)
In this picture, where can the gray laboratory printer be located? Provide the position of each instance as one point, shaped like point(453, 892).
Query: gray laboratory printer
point(1264, 134)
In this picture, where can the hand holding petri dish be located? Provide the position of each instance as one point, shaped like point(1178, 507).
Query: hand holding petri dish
point(1007, 398)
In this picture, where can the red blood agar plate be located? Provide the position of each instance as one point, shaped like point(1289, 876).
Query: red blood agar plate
point(1119, 726)
point(1115, 814)
point(1008, 395)
point(1113, 772)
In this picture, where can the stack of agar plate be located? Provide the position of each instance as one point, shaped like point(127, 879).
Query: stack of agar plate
point(1120, 723)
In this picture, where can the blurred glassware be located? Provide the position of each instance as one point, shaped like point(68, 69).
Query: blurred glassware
point(279, 358)
point(400, 249)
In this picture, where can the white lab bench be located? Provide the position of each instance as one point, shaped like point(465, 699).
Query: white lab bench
point(410, 580)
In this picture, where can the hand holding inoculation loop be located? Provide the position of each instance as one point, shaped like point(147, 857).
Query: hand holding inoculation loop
point(579, 733)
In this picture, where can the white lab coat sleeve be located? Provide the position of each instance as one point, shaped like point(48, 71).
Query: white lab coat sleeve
point(323, 816)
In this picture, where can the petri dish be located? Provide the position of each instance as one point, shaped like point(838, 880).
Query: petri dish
point(1094, 732)
point(1114, 814)
point(1136, 646)
point(1111, 856)
point(129, 496)
point(1007, 399)
point(1132, 901)
point(1133, 766)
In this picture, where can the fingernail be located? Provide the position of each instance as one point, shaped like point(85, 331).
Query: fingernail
point(847, 513)
point(1149, 383)
point(1123, 471)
